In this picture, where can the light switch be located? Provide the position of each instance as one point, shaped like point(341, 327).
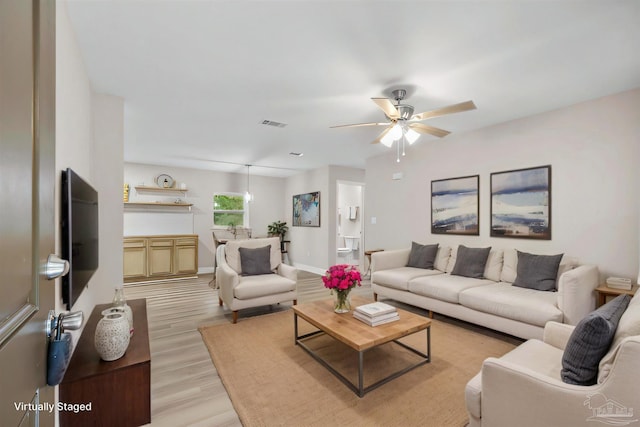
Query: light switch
point(373, 220)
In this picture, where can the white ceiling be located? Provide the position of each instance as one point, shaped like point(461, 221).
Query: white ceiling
point(199, 77)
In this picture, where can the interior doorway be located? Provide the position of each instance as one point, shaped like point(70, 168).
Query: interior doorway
point(350, 238)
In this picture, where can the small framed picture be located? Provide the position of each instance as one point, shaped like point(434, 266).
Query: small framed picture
point(306, 209)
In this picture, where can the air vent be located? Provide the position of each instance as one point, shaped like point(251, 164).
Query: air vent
point(272, 123)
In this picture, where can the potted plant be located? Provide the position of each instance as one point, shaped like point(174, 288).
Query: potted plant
point(277, 228)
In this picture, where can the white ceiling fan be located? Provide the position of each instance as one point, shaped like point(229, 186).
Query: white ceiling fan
point(403, 125)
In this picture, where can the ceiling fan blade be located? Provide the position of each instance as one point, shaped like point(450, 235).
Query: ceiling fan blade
point(419, 127)
point(455, 108)
point(358, 125)
point(387, 106)
point(384, 132)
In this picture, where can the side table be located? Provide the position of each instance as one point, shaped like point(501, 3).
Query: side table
point(604, 291)
point(368, 255)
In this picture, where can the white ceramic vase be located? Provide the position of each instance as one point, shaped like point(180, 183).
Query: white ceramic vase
point(124, 309)
point(112, 336)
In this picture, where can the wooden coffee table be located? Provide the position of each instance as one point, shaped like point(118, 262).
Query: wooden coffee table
point(359, 336)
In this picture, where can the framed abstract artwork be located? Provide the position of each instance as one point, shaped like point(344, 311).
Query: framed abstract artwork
point(455, 206)
point(306, 209)
point(521, 203)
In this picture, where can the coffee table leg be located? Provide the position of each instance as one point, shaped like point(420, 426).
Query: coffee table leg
point(295, 328)
point(360, 373)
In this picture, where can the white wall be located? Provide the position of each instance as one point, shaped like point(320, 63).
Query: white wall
point(593, 148)
point(89, 140)
point(265, 208)
point(108, 136)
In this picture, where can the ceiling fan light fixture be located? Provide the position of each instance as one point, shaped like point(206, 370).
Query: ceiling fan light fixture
point(411, 135)
point(387, 140)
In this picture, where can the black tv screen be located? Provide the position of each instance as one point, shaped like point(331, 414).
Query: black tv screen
point(79, 215)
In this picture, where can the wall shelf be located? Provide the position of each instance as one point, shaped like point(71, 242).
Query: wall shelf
point(142, 188)
point(157, 205)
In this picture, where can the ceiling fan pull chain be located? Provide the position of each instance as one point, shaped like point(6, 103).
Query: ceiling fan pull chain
point(397, 151)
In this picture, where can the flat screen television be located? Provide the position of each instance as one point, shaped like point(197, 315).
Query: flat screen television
point(79, 234)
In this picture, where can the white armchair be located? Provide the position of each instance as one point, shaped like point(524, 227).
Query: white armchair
point(238, 291)
point(524, 387)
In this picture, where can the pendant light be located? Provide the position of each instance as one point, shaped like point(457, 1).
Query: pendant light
point(248, 197)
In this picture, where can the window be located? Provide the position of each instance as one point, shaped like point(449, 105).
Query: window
point(229, 209)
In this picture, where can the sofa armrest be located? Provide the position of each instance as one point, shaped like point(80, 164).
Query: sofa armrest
point(288, 271)
point(386, 260)
point(576, 293)
point(557, 334)
point(515, 395)
point(227, 279)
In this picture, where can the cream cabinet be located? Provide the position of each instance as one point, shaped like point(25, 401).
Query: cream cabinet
point(149, 258)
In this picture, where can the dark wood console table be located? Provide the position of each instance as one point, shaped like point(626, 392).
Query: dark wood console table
point(120, 391)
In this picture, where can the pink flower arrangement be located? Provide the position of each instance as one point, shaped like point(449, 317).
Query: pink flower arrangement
point(341, 277)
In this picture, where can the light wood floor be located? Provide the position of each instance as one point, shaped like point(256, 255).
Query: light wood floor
point(185, 387)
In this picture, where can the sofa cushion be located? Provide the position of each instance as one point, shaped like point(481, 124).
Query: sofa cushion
point(590, 341)
point(444, 287)
point(398, 278)
point(471, 262)
point(522, 304)
point(510, 266)
point(255, 260)
point(442, 258)
point(422, 256)
point(261, 285)
point(232, 254)
point(537, 271)
point(628, 326)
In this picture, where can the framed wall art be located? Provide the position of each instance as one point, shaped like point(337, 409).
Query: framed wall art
point(306, 209)
point(455, 206)
point(521, 203)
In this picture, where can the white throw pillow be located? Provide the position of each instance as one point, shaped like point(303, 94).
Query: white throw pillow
point(452, 260)
point(442, 258)
point(493, 268)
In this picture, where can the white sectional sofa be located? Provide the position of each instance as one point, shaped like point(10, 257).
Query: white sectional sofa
point(491, 301)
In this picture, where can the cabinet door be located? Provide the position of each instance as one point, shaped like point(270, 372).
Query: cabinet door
point(160, 257)
point(187, 255)
point(135, 259)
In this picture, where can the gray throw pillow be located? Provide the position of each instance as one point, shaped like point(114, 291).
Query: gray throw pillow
point(470, 262)
point(255, 261)
point(422, 256)
point(590, 341)
point(537, 271)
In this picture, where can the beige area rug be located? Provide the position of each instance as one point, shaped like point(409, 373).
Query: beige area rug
point(273, 382)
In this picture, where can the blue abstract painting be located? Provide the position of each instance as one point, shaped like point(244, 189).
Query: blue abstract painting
point(521, 203)
point(455, 205)
point(306, 209)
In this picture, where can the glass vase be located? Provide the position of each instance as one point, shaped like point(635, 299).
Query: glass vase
point(343, 302)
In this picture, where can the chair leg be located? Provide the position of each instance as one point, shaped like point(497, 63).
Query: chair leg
point(375, 296)
point(295, 302)
point(220, 301)
point(235, 316)
point(430, 314)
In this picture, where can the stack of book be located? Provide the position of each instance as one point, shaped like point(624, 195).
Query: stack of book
point(619, 283)
point(376, 313)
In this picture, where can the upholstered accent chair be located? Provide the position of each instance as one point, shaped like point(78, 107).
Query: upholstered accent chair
point(528, 386)
point(250, 273)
